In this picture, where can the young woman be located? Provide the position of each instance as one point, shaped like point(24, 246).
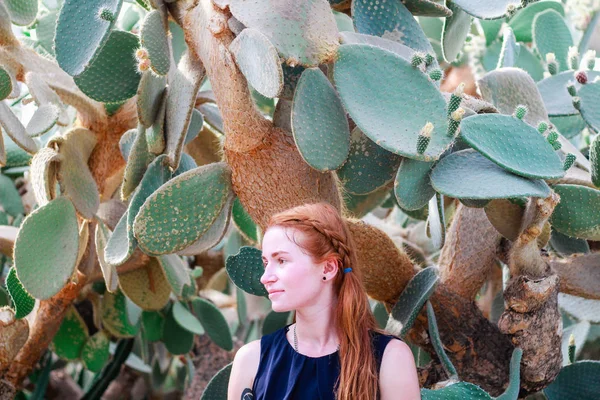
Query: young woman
point(333, 350)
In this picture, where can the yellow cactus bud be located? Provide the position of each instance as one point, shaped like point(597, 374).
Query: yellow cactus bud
point(458, 114)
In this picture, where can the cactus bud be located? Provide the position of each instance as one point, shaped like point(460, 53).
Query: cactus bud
point(571, 349)
point(569, 161)
point(551, 63)
point(107, 15)
point(143, 65)
point(511, 9)
point(141, 54)
point(424, 138)
point(520, 111)
point(571, 88)
point(458, 114)
point(590, 59)
point(542, 127)
point(552, 137)
point(576, 102)
point(573, 57)
point(454, 121)
point(556, 145)
point(429, 59)
point(456, 98)
point(436, 74)
point(416, 60)
point(581, 77)
point(468, 38)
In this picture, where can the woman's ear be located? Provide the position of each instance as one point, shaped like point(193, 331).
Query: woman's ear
point(331, 267)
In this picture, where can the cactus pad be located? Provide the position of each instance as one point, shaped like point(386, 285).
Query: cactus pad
point(487, 10)
point(22, 12)
point(577, 214)
point(319, 122)
point(368, 166)
point(245, 270)
point(275, 320)
point(152, 325)
point(46, 248)
point(44, 118)
point(395, 47)
point(595, 160)
point(553, 89)
point(413, 297)
point(460, 390)
point(81, 20)
point(155, 40)
point(427, 8)
point(522, 22)
point(259, 61)
point(196, 124)
point(214, 323)
point(15, 129)
point(243, 221)
point(112, 77)
point(304, 32)
point(5, 84)
point(575, 381)
point(109, 272)
point(147, 287)
point(22, 301)
point(552, 35)
point(179, 329)
point(468, 174)
point(120, 245)
point(115, 318)
point(150, 95)
point(176, 272)
point(374, 84)
point(513, 145)
point(95, 353)
point(412, 187)
point(193, 200)
point(510, 50)
point(436, 341)
point(71, 336)
point(138, 160)
point(455, 30)
point(590, 98)
point(514, 384)
point(217, 387)
point(10, 200)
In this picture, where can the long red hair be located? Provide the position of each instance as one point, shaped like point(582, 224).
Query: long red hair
point(326, 235)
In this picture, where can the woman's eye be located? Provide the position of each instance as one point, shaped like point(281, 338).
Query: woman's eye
point(281, 260)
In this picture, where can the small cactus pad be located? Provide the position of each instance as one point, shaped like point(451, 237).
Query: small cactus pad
point(374, 84)
point(10, 200)
point(95, 353)
point(454, 32)
point(390, 20)
point(71, 336)
point(589, 109)
point(259, 61)
point(214, 323)
point(319, 123)
point(411, 300)
point(427, 8)
point(193, 200)
point(436, 341)
point(512, 144)
point(109, 272)
point(556, 97)
point(155, 134)
point(243, 221)
point(509, 53)
point(577, 215)
point(147, 287)
point(196, 124)
point(460, 390)
point(112, 77)
point(595, 160)
point(514, 384)
point(81, 20)
point(156, 42)
point(522, 22)
point(217, 387)
point(368, 166)
point(468, 174)
point(46, 248)
point(487, 9)
point(245, 270)
point(303, 32)
point(22, 12)
point(506, 217)
point(45, 29)
point(5, 84)
point(179, 328)
point(575, 381)
point(150, 95)
point(44, 118)
point(137, 162)
point(22, 301)
point(114, 316)
point(552, 35)
point(15, 129)
point(412, 187)
point(120, 244)
point(152, 325)
point(566, 245)
point(176, 272)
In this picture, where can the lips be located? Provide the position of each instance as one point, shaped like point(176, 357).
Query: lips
point(275, 291)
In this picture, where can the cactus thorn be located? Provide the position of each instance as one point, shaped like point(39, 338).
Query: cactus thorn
point(107, 15)
point(569, 161)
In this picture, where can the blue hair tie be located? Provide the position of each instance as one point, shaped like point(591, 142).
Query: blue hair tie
point(347, 269)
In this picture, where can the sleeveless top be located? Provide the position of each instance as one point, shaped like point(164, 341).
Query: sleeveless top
point(285, 374)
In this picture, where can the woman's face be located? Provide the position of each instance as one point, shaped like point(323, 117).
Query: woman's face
point(292, 276)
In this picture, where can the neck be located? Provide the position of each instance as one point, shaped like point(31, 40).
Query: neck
point(316, 329)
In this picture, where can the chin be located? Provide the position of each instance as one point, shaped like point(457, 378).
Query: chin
point(279, 307)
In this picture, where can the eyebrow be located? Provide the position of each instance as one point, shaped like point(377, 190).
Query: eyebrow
point(276, 253)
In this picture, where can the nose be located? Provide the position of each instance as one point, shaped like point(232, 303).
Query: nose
point(267, 277)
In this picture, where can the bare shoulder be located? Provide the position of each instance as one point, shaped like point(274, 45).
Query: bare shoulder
point(398, 373)
point(243, 371)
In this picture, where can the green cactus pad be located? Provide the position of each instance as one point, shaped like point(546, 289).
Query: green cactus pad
point(513, 145)
point(390, 20)
point(468, 174)
point(150, 97)
point(259, 61)
point(460, 390)
point(126, 143)
point(486, 9)
point(80, 19)
point(5, 84)
point(10, 200)
point(245, 270)
point(112, 77)
point(412, 187)
point(71, 336)
point(137, 163)
point(44, 118)
point(594, 153)
point(217, 387)
point(194, 200)
point(454, 32)
point(344, 22)
point(155, 40)
point(186, 320)
point(196, 124)
point(152, 325)
point(94, 353)
point(177, 339)
point(120, 245)
point(109, 272)
point(115, 318)
point(274, 321)
point(510, 50)
point(15, 156)
point(22, 301)
point(577, 215)
point(566, 245)
point(569, 126)
point(74, 175)
point(576, 381)
point(557, 100)
point(522, 22)
point(590, 98)
point(374, 84)
point(214, 323)
point(319, 122)
point(368, 166)
point(22, 12)
point(552, 35)
point(413, 297)
point(427, 8)
point(155, 134)
point(176, 271)
point(15, 129)
point(530, 63)
point(243, 221)
point(514, 384)
point(46, 248)
point(146, 287)
point(45, 29)
point(303, 33)
point(436, 341)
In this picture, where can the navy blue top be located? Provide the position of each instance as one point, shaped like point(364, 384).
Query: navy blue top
point(285, 374)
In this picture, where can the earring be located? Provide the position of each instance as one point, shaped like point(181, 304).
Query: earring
point(324, 278)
